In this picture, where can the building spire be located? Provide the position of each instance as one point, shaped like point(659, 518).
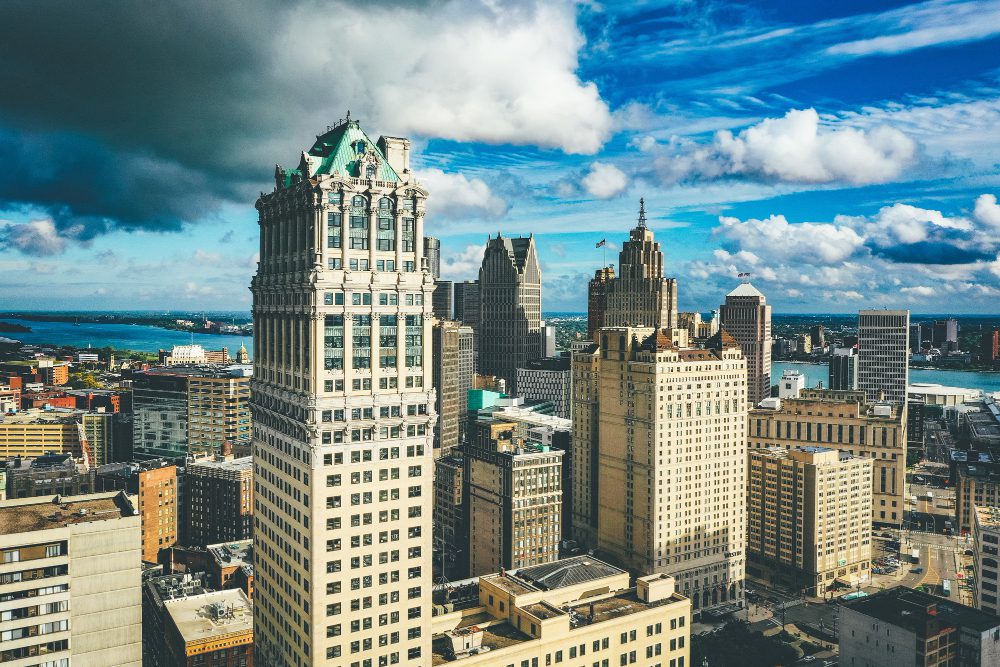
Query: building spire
point(642, 212)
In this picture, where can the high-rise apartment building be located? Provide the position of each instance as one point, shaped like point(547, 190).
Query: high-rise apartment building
point(846, 422)
point(809, 515)
point(513, 499)
point(597, 300)
point(747, 318)
point(843, 369)
point(156, 484)
point(547, 379)
point(639, 296)
point(671, 469)
point(218, 493)
point(181, 410)
point(883, 355)
point(70, 576)
point(445, 362)
point(432, 253)
point(343, 409)
point(510, 307)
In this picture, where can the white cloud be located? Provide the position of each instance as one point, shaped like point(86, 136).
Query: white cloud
point(464, 264)
point(468, 71)
point(38, 237)
point(454, 196)
point(776, 240)
point(919, 291)
point(987, 210)
point(796, 148)
point(604, 180)
point(905, 224)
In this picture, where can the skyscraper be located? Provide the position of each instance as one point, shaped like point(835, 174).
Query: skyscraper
point(510, 307)
point(446, 381)
point(597, 300)
point(747, 318)
point(432, 251)
point(343, 409)
point(639, 296)
point(466, 374)
point(466, 306)
point(843, 370)
point(442, 302)
point(883, 355)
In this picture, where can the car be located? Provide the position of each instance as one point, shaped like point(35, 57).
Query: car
point(917, 570)
point(808, 658)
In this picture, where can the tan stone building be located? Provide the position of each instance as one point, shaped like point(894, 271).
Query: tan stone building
point(513, 499)
point(747, 318)
point(844, 421)
point(671, 468)
point(808, 518)
point(577, 611)
point(445, 337)
point(70, 581)
point(343, 409)
point(35, 432)
point(212, 629)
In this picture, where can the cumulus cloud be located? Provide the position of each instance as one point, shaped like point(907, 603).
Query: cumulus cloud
point(153, 116)
point(604, 180)
point(462, 264)
point(38, 237)
point(808, 242)
point(987, 210)
point(454, 196)
point(795, 148)
point(919, 291)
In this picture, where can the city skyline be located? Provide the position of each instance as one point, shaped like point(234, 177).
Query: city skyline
point(840, 155)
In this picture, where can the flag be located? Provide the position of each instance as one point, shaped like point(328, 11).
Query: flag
point(602, 242)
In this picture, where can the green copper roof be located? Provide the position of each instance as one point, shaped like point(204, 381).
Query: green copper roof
point(344, 149)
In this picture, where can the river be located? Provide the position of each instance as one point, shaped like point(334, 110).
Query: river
point(138, 337)
point(987, 382)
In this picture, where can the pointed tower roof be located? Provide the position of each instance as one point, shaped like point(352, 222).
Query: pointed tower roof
point(344, 148)
point(642, 212)
point(746, 289)
point(722, 340)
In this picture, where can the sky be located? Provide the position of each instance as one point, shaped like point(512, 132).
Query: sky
point(845, 154)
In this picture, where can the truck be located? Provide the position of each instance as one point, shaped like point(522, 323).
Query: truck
point(915, 555)
point(946, 587)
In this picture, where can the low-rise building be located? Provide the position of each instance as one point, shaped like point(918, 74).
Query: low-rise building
point(547, 379)
point(574, 611)
point(986, 558)
point(70, 581)
point(808, 518)
point(210, 630)
point(904, 627)
point(155, 592)
point(791, 384)
point(231, 566)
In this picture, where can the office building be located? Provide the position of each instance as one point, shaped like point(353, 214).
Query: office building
point(181, 410)
point(442, 303)
point(432, 253)
point(990, 345)
point(510, 307)
point(846, 422)
point(547, 380)
point(35, 432)
point(843, 371)
point(445, 368)
point(664, 449)
point(916, 338)
point(944, 332)
point(597, 300)
point(639, 295)
point(343, 409)
point(548, 342)
point(809, 515)
point(747, 318)
point(883, 355)
point(466, 374)
point(213, 629)
point(585, 369)
point(578, 611)
point(71, 581)
point(219, 500)
point(451, 538)
point(512, 499)
point(976, 477)
point(901, 626)
point(817, 336)
point(49, 475)
point(466, 303)
point(986, 558)
point(791, 384)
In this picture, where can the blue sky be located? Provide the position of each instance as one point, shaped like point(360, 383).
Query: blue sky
point(844, 153)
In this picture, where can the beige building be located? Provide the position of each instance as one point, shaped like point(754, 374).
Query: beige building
point(747, 318)
point(842, 420)
point(577, 611)
point(671, 468)
point(986, 558)
point(33, 433)
point(70, 582)
point(808, 518)
point(514, 499)
point(446, 342)
point(343, 409)
point(213, 629)
point(585, 369)
point(884, 355)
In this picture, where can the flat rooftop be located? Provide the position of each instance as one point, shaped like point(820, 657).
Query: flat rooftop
point(229, 554)
point(31, 514)
point(988, 516)
point(235, 465)
point(616, 606)
point(496, 636)
point(905, 607)
point(209, 616)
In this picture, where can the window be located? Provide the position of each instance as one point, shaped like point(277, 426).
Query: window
point(333, 230)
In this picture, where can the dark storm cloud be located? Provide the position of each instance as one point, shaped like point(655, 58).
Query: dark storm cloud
point(934, 252)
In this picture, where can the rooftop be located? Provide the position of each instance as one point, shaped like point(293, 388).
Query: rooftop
point(988, 515)
point(566, 572)
point(496, 636)
point(905, 607)
point(43, 513)
point(548, 364)
point(239, 465)
point(197, 370)
point(213, 615)
point(231, 554)
point(746, 289)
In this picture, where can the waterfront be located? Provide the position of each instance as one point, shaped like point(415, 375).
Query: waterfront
point(987, 382)
point(138, 337)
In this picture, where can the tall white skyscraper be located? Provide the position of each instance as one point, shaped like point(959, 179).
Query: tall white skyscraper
point(747, 318)
point(343, 410)
point(883, 355)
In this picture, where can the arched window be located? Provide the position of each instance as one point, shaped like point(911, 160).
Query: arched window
point(385, 204)
point(358, 201)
